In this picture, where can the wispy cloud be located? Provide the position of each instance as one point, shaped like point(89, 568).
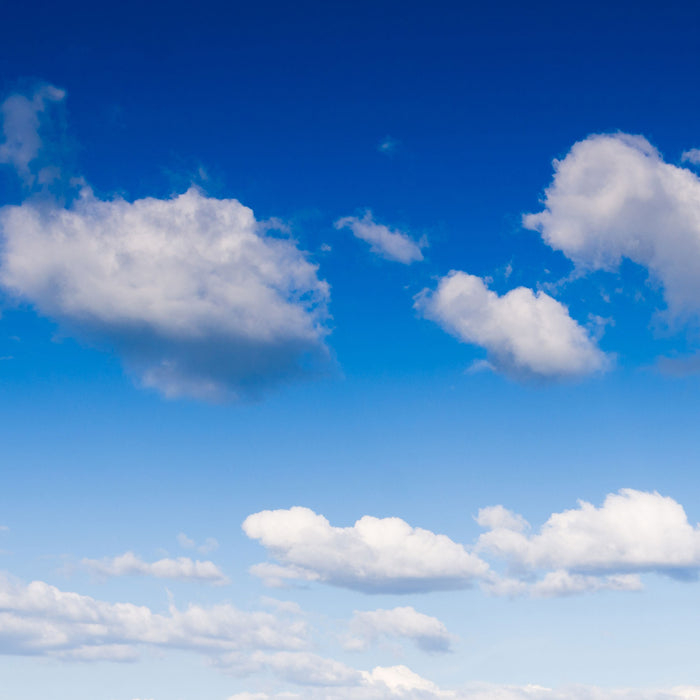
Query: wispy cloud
point(21, 122)
point(390, 244)
point(39, 619)
point(388, 145)
point(182, 568)
point(210, 544)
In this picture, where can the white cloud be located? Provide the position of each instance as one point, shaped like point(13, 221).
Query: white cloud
point(192, 292)
point(691, 156)
point(614, 197)
point(116, 653)
point(428, 633)
point(182, 568)
point(377, 690)
point(560, 583)
point(632, 532)
point(495, 517)
point(486, 691)
point(374, 555)
point(582, 550)
point(21, 120)
point(526, 334)
point(277, 576)
point(400, 682)
point(304, 668)
point(39, 619)
point(345, 683)
point(392, 245)
point(210, 544)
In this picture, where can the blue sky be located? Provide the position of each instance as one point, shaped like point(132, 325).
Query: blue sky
point(349, 351)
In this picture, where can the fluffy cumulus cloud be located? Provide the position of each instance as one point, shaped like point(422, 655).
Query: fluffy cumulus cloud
point(194, 294)
point(426, 632)
point(39, 619)
point(632, 532)
point(526, 334)
point(581, 550)
point(182, 568)
point(392, 245)
point(614, 197)
point(21, 120)
point(373, 555)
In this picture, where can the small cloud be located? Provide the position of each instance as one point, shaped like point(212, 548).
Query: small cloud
point(426, 632)
point(388, 145)
point(479, 366)
point(692, 156)
point(390, 244)
point(21, 124)
point(185, 542)
point(210, 544)
point(182, 568)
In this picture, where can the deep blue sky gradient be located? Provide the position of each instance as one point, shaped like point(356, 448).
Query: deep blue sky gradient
point(283, 106)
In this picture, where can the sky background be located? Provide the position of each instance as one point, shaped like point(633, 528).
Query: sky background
point(384, 396)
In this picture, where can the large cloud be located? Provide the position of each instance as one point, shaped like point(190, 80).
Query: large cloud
point(614, 197)
point(392, 245)
point(374, 555)
point(585, 549)
point(526, 334)
point(192, 292)
point(632, 532)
